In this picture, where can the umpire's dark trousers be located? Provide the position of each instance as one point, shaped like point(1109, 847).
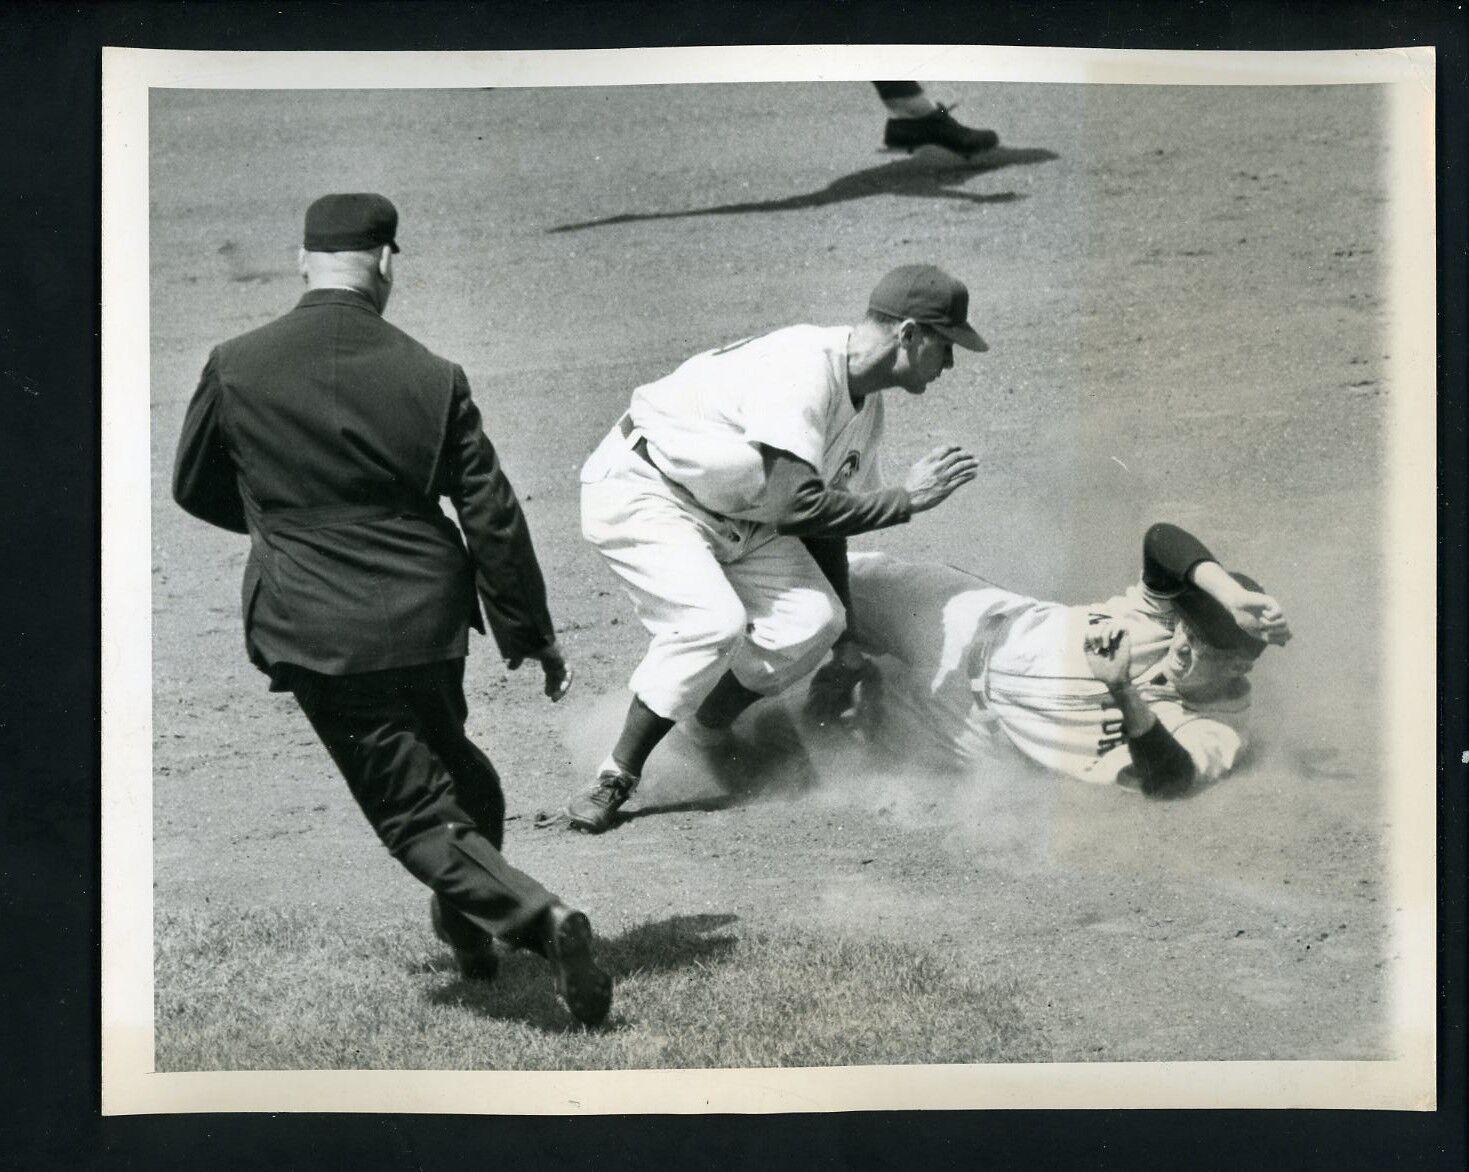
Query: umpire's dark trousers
point(432, 796)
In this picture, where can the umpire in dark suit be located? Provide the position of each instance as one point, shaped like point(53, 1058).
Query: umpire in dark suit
point(329, 436)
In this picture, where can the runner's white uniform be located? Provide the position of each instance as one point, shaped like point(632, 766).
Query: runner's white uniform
point(688, 528)
point(971, 665)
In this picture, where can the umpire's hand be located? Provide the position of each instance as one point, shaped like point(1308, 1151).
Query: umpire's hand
point(553, 663)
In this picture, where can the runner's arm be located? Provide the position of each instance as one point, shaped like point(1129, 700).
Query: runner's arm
point(1174, 559)
point(1169, 554)
point(1164, 768)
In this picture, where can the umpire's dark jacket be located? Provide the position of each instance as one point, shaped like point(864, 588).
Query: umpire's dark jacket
point(329, 436)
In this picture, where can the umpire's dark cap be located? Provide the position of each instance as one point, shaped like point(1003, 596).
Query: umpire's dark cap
point(1207, 615)
point(930, 297)
point(351, 223)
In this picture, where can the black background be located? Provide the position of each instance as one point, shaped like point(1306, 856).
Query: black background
point(50, 78)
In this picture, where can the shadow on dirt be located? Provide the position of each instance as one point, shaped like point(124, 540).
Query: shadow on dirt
point(522, 991)
point(674, 943)
point(923, 175)
point(766, 760)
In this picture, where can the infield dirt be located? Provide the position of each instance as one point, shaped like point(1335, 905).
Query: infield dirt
point(1183, 291)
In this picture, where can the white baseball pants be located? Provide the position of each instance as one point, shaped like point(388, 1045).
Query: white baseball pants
point(714, 593)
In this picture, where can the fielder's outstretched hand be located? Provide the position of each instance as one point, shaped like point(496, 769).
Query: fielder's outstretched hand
point(1261, 616)
point(934, 476)
point(553, 663)
point(1108, 650)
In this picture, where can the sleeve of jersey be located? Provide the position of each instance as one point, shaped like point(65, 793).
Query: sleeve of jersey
point(801, 504)
point(1167, 763)
point(1169, 553)
point(1214, 746)
point(789, 413)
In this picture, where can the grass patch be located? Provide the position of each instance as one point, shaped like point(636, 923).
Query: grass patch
point(279, 990)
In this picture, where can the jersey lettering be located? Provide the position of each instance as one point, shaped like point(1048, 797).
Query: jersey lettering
point(1112, 734)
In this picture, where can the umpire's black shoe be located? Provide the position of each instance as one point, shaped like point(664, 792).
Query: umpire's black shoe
point(474, 951)
point(585, 988)
point(937, 129)
point(596, 810)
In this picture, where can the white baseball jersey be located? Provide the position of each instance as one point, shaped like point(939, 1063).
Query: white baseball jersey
point(972, 656)
point(713, 582)
point(787, 390)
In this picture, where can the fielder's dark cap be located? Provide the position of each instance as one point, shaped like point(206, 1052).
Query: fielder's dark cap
point(1207, 615)
point(350, 223)
point(930, 296)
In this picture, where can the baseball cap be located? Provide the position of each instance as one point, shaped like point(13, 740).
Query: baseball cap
point(930, 296)
point(347, 223)
point(1208, 616)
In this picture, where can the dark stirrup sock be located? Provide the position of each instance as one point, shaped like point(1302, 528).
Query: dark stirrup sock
point(725, 702)
point(641, 732)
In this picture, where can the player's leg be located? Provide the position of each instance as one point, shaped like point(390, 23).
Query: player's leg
point(904, 99)
point(372, 726)
point(933, 626)
point(665, 555)
point(916, 120)
point(442, 708)
point(375, 728)
point(666, 558)
point(794, 618)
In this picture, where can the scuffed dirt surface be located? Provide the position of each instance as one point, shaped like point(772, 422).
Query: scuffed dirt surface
point(1182, 290)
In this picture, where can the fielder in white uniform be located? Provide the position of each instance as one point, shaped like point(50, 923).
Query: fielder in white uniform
point(1146, 689)
point(724, 497)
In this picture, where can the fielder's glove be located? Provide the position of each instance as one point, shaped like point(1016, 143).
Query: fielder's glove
point(845, 692)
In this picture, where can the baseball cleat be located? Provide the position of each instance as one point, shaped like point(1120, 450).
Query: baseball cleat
point(937, 129)
point(474, 952)
point(596, 810)
point(585, 988)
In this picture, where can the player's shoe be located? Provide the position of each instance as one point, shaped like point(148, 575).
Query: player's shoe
point(596, 810)
point(937, 129)
point(585, 988)
point(474, 951)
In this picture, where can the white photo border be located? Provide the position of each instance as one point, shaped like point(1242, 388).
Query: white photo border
point(130, 1082)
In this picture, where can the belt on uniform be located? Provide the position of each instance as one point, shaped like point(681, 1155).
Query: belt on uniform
point(625, 425)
